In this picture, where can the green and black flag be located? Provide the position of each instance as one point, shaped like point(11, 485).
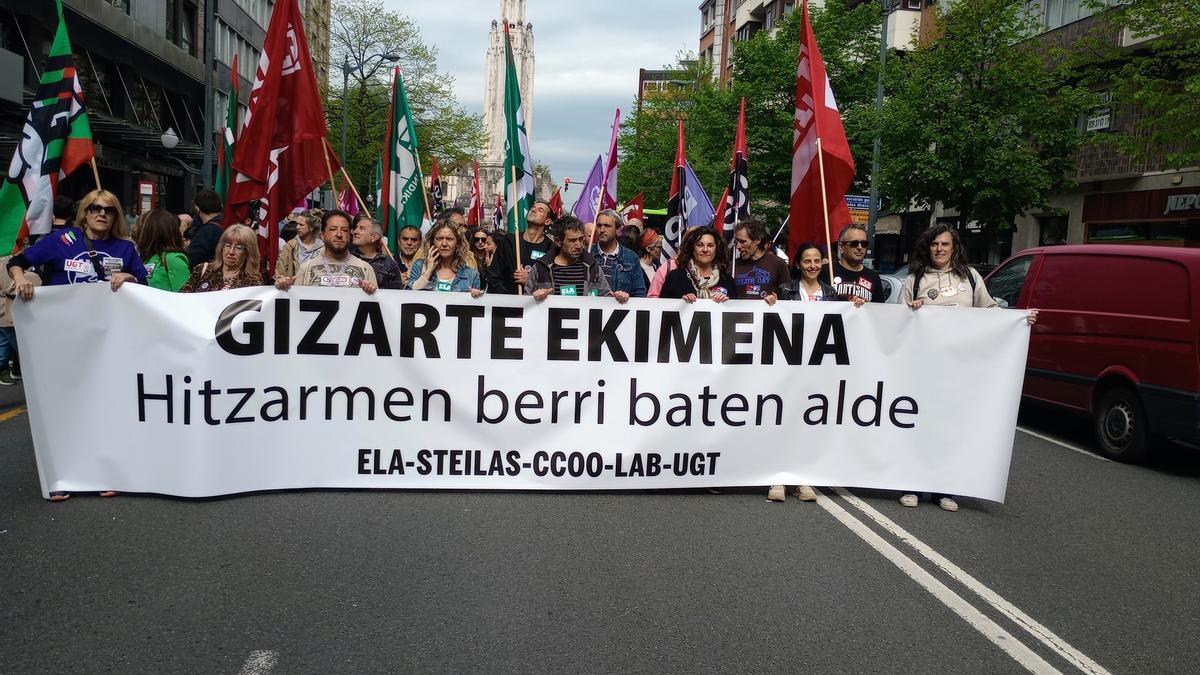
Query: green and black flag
point(56, 140)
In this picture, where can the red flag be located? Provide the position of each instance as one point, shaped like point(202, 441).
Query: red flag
point(556, 204)
point(735, 202)
point(280, 156)
point(498, 216)
point(475, 210)
point(634, 208)
point(816, 119)
point(676, 205)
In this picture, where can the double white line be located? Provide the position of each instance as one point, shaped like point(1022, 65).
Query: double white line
point(991, 630)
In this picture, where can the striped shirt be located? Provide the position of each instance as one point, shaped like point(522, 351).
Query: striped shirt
point(574, 274)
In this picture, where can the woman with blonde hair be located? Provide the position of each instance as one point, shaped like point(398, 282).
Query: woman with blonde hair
point(96, 249)
point(236, 264)
point(446, 266)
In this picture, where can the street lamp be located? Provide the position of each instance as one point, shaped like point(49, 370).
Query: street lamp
point(169, 139)
point(390, 58)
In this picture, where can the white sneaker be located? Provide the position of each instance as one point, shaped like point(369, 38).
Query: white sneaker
point(909, 500)
point(776, 493)
point(948, 504)
point(805, 493)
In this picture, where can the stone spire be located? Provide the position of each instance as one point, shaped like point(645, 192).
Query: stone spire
point(521, 34)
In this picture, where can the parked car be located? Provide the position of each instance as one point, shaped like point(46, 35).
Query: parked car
point(891, 286)
point(1117, 338)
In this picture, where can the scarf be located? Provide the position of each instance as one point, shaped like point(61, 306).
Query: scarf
point(703, 282)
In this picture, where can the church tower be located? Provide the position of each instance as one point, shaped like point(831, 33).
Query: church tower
point(512, 12)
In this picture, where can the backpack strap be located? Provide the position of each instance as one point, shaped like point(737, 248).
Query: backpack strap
point(94, 257)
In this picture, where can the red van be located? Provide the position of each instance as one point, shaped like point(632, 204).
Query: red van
point(1117, 337)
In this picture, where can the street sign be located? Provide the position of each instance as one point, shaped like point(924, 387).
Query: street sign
point(860, 207)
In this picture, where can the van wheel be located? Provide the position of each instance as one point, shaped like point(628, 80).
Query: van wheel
point(1121, 426)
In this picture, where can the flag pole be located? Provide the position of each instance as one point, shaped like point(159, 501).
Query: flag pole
point(332, 184)
point(516, 225)
point(95, 172)
point(424, 192)
point(825, 208)
point(347, 181)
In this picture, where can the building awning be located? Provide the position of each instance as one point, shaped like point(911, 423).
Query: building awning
point(889, 224)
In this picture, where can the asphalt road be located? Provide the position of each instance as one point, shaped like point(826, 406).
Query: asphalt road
point(1089, 566)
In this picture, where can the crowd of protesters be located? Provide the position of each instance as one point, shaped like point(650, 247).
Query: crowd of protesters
point(196, 252)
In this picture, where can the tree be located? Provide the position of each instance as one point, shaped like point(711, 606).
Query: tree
point(1161, 76)
point(982, 119)
point(764, 71)
point(361, 30)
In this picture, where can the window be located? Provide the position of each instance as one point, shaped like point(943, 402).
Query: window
point(122, 5)
point(1005, 284)
point(913, 4)
point(1052, 230)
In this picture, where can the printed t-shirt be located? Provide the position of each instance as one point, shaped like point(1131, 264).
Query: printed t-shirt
point(324, 271)
point(67, 256)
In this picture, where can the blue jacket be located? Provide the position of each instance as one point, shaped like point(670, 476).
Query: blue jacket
point(626, 273)
point(465, 278)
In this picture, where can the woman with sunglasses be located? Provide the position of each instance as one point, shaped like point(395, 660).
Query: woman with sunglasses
point(495, 261)
point(236, 265)
point(96, 249)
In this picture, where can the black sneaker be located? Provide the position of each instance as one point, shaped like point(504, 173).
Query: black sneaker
point(6, 378)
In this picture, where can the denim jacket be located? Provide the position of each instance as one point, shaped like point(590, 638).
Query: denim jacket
point(464, 279)
point(626, 273)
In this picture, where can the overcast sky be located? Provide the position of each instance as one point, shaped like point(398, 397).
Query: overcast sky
point(586, 60)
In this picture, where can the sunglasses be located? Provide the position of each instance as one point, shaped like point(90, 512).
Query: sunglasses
point(855, 243)
point(479, 240)
point(96, 209)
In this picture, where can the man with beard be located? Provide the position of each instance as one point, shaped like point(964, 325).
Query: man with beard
point(535, 241)
point(333, 266)
point(757, 272)
point(568, 269)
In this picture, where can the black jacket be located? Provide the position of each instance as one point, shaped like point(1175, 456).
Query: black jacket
point(205, 237)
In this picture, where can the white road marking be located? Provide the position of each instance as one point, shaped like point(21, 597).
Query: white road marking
point(1037, 630)
point(260, 662)
point(991, 630)
point(1082, 451)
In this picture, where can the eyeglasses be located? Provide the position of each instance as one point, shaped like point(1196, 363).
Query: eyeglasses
point(240, 248)
point(855, 243)
point(96, 209)
point(479, 240)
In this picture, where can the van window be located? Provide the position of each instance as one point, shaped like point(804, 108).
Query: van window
point(1117, 284)
point(1005, 284)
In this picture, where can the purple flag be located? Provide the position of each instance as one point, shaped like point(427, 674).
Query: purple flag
point(585, 207)
point(696, 204)
point(348, 202)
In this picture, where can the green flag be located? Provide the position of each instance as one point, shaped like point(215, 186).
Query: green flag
point(56, 140)
point(228, 135)
point(517, 162)
point(403, 198)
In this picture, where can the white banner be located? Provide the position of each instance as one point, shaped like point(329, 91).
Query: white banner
point(219, 393)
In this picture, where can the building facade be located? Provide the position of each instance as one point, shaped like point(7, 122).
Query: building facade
point(141, 66)
point(1116, 199)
